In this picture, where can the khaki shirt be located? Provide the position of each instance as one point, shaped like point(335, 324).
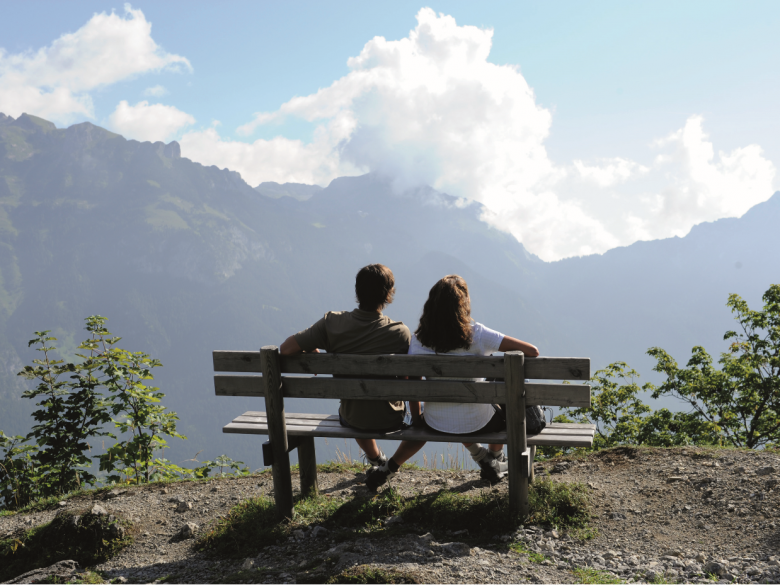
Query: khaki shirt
point(361, 332)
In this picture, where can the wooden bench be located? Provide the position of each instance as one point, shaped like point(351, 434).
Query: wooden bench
point(290, 431)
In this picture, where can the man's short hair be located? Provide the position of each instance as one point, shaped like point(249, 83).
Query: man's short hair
point(374, 287)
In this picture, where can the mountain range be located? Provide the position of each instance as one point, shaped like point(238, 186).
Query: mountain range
point(184, 259)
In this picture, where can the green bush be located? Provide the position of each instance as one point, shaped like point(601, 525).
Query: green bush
point(76, 400)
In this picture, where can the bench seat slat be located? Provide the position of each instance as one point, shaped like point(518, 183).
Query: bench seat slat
point(335, 417)
point(327, 425)
point(541, 368)
point(571, 395)
point(548, 436)
point(326, 421)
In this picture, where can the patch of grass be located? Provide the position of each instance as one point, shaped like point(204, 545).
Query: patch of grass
point(534, 557)
point(445, 510)
point(341, 467)
point(661, 580)
point(594, 576)
point(586, 533)
point(367, 574)
point(85, 538)
point(255, 522)
point(52, 502)
point(88, 577)
point(559, 504)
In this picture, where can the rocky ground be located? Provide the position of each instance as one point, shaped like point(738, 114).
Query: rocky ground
point(662, 515)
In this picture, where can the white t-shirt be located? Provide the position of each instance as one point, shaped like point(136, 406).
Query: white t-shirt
point(453, 417)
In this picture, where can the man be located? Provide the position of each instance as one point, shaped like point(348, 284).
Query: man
point(365, 330)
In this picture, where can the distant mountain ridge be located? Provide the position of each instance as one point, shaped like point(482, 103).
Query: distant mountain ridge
point(298, 191)
point(185, 259)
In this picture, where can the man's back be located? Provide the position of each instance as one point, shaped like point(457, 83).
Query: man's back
point(362, 332)
point(357, 331)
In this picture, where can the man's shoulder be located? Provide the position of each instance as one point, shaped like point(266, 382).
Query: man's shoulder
point(396, 326)
point(338, 314)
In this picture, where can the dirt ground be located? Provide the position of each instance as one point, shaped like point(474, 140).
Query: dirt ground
point(661, 515)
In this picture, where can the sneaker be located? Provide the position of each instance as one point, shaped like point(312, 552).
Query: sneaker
point(375, 463)
point(380, 476)
point(493, 469)
point(501, 457)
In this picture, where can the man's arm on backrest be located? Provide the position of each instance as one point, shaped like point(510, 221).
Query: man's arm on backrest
point(290, 346)
point(307, 340)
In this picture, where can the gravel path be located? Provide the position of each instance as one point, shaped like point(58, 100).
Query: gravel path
point(679, 514)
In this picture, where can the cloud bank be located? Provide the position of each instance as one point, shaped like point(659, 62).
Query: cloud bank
point(148, 122)
point(431, 109)
point(54, 82)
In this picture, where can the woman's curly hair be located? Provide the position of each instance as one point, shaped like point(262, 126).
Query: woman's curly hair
point(445, 324)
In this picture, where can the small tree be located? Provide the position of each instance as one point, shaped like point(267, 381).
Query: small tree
point(19, 473)
point(742, 398)
point(76, 402)
point(72, 411)
point(615, 409)
point(621, 418)
point(141, 416)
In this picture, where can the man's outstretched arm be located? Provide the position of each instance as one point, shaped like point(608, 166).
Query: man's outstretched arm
point(291, 347)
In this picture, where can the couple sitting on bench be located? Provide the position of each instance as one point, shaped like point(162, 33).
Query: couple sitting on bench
point(445, 328)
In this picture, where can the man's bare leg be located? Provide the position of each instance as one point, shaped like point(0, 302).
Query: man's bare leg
point(369, 446)
point(406, 450)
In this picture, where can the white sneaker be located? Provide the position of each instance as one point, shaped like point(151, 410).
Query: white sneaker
point(375, 463)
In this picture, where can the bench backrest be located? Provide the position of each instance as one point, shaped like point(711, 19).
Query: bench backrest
point(370, 388)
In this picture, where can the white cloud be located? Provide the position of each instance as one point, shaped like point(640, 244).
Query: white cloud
point(54, 82)
point(611, 171)
point(431, 109)
point(148, 122)
point(279, 159)
point(155, 91)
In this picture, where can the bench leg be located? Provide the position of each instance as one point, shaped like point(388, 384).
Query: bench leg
point(517, 445)
point(531, 475)
point(277, 429)
point(307, 462)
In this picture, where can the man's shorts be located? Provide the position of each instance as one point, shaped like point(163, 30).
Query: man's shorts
point(398, 427)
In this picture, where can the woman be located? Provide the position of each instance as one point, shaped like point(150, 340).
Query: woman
point(446, 328)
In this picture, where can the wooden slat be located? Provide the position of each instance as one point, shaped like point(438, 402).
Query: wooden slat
point(237, 361)
point(571, 395)
point(238, 385)
point(291, 422)
point(308, 426)
point(434, 391)
point(300, 417)
point(541, 368)
point(546, 437)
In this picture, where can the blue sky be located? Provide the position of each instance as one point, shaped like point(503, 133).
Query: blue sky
point(643, 118)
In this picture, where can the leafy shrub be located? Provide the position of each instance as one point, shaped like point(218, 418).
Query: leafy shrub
point(742, 398)
point(76, 400)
